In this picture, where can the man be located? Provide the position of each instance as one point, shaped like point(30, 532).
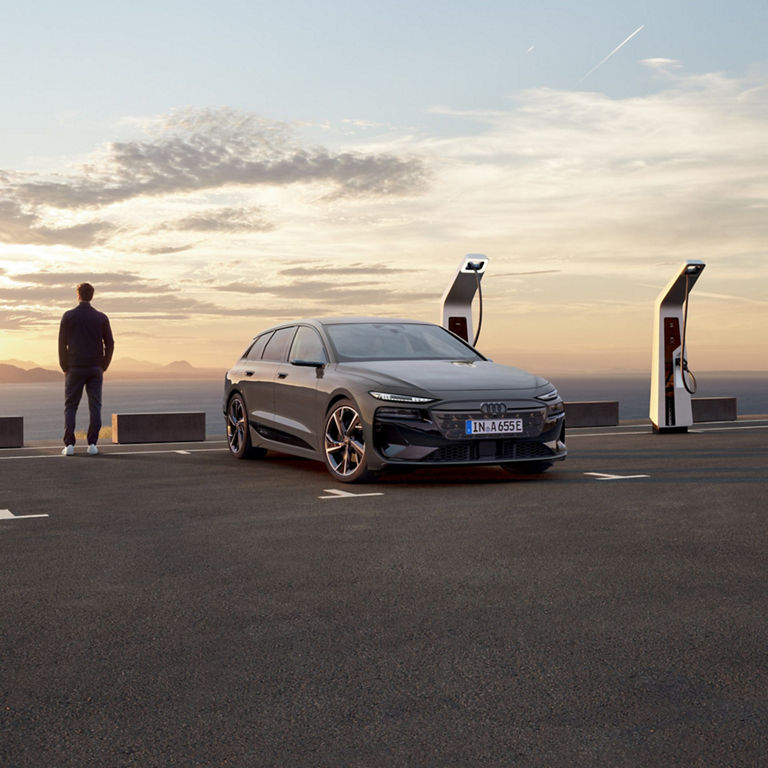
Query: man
point(85, 352)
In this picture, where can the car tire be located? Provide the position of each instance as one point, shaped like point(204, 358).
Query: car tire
point(238, 431)
point(344, 450)
point(527, 467)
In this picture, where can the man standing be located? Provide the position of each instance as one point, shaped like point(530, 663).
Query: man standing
point(85, 352)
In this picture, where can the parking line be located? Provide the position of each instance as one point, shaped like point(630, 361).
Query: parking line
point(115, 453)
point(337, 494)
point(604, 476)
point(6, 514)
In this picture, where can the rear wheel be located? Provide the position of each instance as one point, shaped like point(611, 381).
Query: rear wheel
point(527, 467)
point(345, 452)
point(238, 431)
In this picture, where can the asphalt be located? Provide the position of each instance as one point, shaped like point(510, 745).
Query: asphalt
point(167, 605)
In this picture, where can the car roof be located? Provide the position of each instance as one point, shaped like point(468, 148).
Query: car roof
point(339, 320)
point(342, 320)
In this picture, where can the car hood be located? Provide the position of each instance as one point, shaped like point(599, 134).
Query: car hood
point(447, 376)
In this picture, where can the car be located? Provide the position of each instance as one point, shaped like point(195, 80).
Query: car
point(367, 393)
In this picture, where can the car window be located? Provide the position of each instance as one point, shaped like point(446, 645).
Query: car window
point(308, 346)
point(397, 341)
point(277, 346)
point(257, 348)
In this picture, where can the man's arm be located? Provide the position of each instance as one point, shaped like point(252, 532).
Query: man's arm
point(63, 347)
point(109, 343)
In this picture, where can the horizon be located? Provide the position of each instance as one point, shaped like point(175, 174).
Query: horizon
point(131, 365)
point(587, 152)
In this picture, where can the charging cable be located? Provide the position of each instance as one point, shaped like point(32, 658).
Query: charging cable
point(480, 304)
point(685, 371)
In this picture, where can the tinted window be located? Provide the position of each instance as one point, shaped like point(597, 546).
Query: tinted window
point(397, 341)
point(308, 346)
point(257, 348)
point(278, 345)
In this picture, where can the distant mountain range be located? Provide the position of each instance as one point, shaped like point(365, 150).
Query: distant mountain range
point(21, 371)
point(12, 374)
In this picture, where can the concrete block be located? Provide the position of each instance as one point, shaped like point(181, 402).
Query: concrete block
point(599, 413)
point(11, 431)
point(713, 408)
point(177, 427)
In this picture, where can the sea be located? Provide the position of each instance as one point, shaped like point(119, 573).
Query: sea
point(42, 404)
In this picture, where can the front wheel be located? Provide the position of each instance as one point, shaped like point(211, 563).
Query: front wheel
point(344, 448)
point(238, 431)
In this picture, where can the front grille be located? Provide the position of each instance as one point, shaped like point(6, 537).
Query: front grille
point(524, 450)
point(489, 450)
point(452, 424)
point(451, 453)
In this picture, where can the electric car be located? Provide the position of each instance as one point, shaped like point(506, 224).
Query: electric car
point(363, 394)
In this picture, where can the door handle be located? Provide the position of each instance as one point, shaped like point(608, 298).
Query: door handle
point(249, 373)
point(282, 375)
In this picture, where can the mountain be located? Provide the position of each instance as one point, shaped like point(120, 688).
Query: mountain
point(178, 366)
point(12, 374)
point(124, 368)
point(129, 368)
point(25, 364)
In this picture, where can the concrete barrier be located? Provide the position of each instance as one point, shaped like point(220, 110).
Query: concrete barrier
point(177, 427)
point(11, 431)
point(598, 413)
point(713, 408)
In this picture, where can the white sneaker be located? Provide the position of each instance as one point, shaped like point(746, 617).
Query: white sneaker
point(68, 451)
point(92, 449)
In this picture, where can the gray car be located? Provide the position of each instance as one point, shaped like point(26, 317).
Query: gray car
point(365, 393)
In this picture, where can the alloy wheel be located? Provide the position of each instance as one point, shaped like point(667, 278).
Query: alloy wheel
point(345, 443)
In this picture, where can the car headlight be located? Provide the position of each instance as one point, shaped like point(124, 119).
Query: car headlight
point(555, 406)
point(391, 397)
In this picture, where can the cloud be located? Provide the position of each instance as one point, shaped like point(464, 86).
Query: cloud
point(167, 250)
point(223, 220)
point(58, 288)
point(197, 150)
point(593, 182)
point(331, 269)
point(108, 281)
point(22, 227)
point(344, 295)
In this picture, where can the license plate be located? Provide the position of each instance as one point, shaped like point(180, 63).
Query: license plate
point(493, 427)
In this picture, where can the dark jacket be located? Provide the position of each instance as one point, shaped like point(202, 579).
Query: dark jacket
point(85, 338)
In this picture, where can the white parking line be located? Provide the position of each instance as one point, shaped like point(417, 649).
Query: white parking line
point(604, 476)
point(699, 429)
point(337, 494)
point(6, 514)
point(115, 453)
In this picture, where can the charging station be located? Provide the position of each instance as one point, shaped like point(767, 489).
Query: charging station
point(672, 383)
point(458, 297)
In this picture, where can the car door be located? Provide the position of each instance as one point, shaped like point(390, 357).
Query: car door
point(259, 369)
point(296, 387)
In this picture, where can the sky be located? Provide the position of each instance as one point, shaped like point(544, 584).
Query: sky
point(216, 168)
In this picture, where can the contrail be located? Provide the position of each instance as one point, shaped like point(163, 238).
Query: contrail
point(617, 48)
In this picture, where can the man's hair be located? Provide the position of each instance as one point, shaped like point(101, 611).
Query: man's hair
point(85, 291)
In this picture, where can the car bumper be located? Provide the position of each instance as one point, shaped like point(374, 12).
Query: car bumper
point(438, 437)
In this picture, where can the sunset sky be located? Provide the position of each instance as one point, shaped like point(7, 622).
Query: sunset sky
point(214, 168)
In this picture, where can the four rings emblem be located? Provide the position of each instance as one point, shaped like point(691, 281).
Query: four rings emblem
point(494, 410)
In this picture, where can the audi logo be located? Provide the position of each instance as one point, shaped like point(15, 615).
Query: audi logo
point(493, 409)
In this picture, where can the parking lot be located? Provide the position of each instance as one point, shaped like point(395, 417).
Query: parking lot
point(166, 605)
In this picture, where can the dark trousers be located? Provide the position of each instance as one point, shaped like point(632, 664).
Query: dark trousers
point(76, 379)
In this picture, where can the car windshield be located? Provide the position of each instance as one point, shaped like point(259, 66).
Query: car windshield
point(396, 341)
